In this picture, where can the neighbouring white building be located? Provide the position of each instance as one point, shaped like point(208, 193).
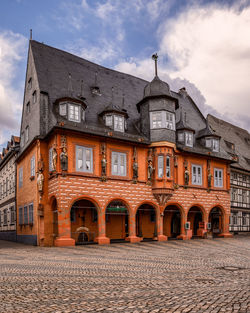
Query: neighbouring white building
point(8, 190)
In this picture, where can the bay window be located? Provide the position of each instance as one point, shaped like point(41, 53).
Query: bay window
point(162, 119)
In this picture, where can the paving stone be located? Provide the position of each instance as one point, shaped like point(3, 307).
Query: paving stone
point(175, 276)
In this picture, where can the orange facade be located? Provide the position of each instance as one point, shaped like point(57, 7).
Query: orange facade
point(76, 206)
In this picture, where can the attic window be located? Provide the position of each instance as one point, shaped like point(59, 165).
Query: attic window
point(29, 83)
point(189, 139)
point(230, 145)
point(213, 143)
point(34, 96)
point(28, 107)
point(115, 121)
point(73, 112)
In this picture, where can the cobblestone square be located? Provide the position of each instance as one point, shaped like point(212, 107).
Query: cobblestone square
point(173, 276)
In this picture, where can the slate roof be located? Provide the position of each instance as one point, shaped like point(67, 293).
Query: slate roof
point(61, 74)
point(53, 67)
point(240, 138)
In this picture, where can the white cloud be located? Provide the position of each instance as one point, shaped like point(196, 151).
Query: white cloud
point(12, 48)
point(210, 46)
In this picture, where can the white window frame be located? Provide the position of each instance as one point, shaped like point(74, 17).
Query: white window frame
point(218, 177)
point(118, 123)
point(109, 120)
point(20, 177)
point(160, 165)
point(33, 166)
point(180, 136)
point(83, 152)
point(25, 215)
point(162, 119)
point(196, 177)
point(63, 109)
point(72, 109)
point(31, 213)
point(213, 143)
point(189, 139)
point(119, 169)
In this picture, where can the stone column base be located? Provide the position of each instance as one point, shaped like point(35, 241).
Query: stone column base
point(162, 238)
point(102, 240)
point(182, 237)
point(226, 235)
point(64, 242)
point(133, 239)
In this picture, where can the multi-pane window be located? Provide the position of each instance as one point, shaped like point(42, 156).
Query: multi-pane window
point(160, 165)
point(31, 213)
point(74, 113)
point(234, 196)
point(162, 119)
point(84, 159)
point(51, 159)
point(20, 215)
point(5, 220)
point(108, 120)
point(118, 163)
point(218, 177)
point(12, 215)
point(63, 109)
point(244, 196)
point(32, 166)
point(189, 139)
point(180, 136)
point(196, 175)
point(20, 177)
point(26, 134)
point(170, 120)
point(34, 96)
point(213, 144)
point(25, 215)
point(119, 123)
point(168, 166)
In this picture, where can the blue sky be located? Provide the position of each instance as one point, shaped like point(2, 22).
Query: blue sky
point(202, 45)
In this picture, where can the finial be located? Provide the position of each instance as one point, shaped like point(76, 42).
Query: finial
point(31, 34)
point(70, 88)
point(155, 57)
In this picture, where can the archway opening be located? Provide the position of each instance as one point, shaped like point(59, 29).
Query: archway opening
point(195, 217)
point(84, 218)
point(172, 221)
point(146, 226)
point(215, 221)
point(117, 221)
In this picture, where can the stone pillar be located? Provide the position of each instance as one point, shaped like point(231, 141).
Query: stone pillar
point(64, 229)
point(102, 239)
point(225, 227)
point(132, 229)
point(183, 235)
point(201, 232)
point(160, 216)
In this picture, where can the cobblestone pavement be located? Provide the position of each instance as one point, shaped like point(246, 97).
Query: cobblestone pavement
point(174, 276)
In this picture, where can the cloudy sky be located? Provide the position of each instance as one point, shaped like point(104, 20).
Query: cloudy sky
point(202, 45)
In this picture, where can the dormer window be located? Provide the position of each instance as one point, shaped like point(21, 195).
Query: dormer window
point(115, 121)
point(213, 143)
point(189, 139)
point(162, 119)
point(119, 123)
point(74, 112)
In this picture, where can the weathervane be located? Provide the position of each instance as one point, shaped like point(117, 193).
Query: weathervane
point(155, 57)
